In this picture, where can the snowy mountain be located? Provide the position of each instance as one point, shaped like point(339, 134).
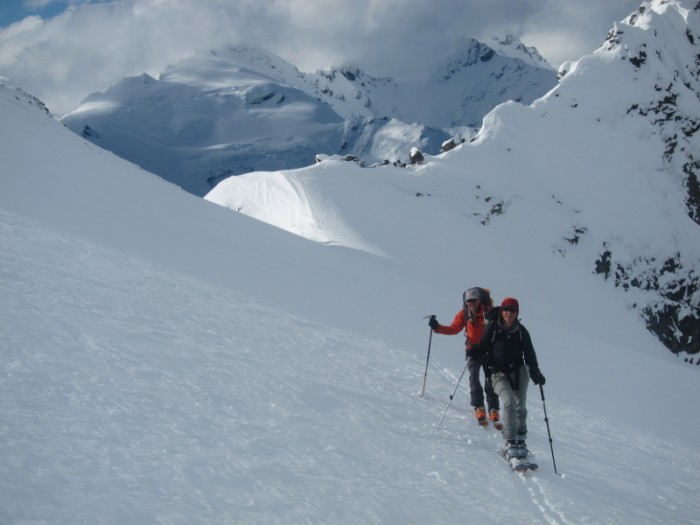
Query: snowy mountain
point(209, 118)
point(223, 113)
point(474, 80)
point(511, 46)
point(619, 182)
point(455, 91)
point(166, 360)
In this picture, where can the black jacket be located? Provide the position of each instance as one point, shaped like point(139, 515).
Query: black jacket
point(506, 351)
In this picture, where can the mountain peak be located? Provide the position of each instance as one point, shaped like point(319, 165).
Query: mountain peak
point(238, 109)
point(511, 46)
point(479, 77)
point(229, 66)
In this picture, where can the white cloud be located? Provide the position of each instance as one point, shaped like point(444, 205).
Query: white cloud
point(91, 46)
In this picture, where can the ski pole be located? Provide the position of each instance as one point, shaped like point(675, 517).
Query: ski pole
point(546, 420)
point(452, 396)
point(430, 341)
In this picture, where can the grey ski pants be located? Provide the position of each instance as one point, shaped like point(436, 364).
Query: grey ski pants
point(513, 402)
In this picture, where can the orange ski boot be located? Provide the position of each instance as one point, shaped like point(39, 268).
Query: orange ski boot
point(480, 415)
point(495, 419)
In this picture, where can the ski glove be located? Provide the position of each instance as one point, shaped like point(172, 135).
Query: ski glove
point(433, 322)
point(537, 377)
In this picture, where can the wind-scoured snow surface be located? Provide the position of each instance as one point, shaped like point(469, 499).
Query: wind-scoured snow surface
point(166, 360)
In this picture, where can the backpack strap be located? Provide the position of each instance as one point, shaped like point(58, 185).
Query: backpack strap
point(465, 318)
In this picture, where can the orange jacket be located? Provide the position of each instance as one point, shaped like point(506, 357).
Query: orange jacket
point(474, 326)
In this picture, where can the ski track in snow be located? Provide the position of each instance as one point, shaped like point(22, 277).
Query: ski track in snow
point(540, 500)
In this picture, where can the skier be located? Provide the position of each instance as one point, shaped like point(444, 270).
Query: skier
point(477, 302)
point(509, 356)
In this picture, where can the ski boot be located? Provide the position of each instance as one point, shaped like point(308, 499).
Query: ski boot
point(513, 449)
point(480, 415)
point(495, 419)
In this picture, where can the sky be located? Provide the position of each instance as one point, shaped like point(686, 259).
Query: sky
point(62, 51)
point(167, 360)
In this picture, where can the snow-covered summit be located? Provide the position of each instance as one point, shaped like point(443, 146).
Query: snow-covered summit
point(476, 78)
point(230, 67)
point(456, 89)
point(240, 109)
point(210, 116)
point(511, 46)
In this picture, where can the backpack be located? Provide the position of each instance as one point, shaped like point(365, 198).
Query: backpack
point(486, 298)
point(476, 331)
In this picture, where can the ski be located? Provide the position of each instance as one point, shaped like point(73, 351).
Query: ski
point(495, 419)
point(484, 423)
point(522, 465)
point(518, 459)
point(516, 453)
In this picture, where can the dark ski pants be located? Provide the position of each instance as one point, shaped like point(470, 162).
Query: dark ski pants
point(476, 391)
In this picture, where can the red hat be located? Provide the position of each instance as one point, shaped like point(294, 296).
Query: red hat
point(510, 302)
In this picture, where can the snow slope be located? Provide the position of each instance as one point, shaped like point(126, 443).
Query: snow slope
point(167, 361)
point(139, 394)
